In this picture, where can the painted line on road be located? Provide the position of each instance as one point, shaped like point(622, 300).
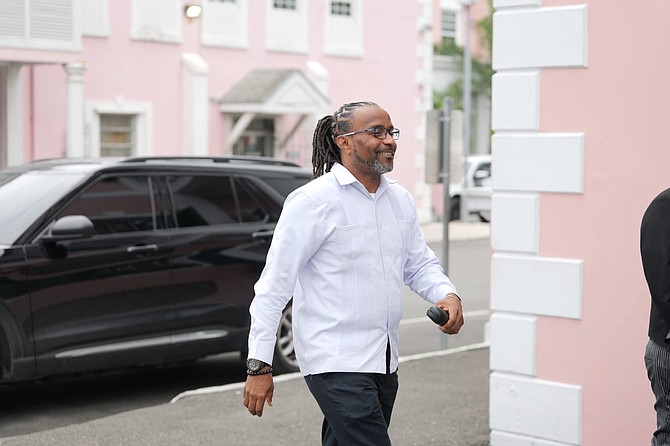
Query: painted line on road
point(292, 376)
point(466, 314)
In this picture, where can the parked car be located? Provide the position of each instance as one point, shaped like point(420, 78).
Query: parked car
point(114, 263)
point(474, 193)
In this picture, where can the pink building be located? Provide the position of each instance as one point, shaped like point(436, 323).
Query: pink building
point(580, 149)
point(138, 77)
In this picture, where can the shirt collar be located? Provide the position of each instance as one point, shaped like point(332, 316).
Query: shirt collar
point(344, 177)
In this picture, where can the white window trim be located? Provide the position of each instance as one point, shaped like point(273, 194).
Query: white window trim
point(336, 48)
point(102, 28)
point(227, 41)
point(272, 14)
point(33, 43)
point(143, 112)
point(166, 36)
point(454, 5)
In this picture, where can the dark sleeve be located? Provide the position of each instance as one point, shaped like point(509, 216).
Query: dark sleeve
point(655, 251)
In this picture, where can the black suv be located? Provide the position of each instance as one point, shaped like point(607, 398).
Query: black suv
point(114, 263)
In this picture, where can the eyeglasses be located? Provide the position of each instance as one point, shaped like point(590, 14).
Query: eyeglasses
point(377, 132)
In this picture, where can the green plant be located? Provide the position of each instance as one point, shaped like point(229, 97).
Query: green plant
point(482, 71)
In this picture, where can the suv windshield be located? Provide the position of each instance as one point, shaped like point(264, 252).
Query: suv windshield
point(26, 196)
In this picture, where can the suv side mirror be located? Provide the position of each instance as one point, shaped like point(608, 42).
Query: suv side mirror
point(481, 174)
point(68, 228)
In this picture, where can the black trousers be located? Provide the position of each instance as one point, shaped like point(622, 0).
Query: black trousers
point(356, 407)
point(657, 361)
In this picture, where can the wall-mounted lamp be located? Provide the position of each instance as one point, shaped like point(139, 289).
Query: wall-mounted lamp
point(192, 11)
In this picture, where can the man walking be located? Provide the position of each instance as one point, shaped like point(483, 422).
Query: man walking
point(344, 246)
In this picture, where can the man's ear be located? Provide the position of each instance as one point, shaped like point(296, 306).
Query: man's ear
point(343, 143)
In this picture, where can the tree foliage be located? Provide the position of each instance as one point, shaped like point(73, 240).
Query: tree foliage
point(482, 71)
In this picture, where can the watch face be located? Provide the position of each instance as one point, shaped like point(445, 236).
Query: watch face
point(254, 364)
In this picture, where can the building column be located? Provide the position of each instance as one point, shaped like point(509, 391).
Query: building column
point(75, 109)
point(13, 123)
point(195, 128)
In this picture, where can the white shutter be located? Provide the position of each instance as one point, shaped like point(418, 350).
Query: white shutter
point(13, 19)
point(40, 24)
point(50, 20)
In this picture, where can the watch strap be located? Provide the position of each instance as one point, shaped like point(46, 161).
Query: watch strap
point(260, 372)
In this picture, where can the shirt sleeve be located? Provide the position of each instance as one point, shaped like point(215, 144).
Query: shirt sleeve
point(296, 237)
point(422, 271)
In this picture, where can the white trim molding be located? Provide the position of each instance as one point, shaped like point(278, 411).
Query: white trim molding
point(513, 343)
point(541, 37)
point(537, 285)
point(143, 112)
point(517, 222)
point(536, 408)
point(543, 162)
point(515, 101)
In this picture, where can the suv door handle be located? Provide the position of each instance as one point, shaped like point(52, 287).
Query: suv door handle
point(263, 234)
point(142, 249)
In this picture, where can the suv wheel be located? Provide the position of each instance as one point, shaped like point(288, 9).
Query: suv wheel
point(284, 358)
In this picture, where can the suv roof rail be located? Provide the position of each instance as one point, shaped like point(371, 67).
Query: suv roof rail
point(214, 159)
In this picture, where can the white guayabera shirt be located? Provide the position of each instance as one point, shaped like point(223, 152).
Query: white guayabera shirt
point(344, 256)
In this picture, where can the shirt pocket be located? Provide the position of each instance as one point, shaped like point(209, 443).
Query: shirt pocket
point(350, 241)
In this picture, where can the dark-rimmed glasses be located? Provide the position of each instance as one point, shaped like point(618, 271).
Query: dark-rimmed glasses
point(378, 132)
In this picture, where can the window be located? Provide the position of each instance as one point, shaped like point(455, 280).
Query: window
point(257, 139)
point(212, 200)
point(116, 135)
point(117, 204)
point(449, 24)
point(225, 23)
point(129, 122)
point(287, 25)
point(340, 8)
point(343, 30)
point(284, 4)
point(157, 20)
point(95, 18)
point(43, 25)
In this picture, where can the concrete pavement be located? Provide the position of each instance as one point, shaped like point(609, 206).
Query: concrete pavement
point(457, 230)
point(443, 400)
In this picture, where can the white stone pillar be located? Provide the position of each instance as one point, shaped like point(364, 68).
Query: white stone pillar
point(14, 112)
point(75, 109)
point(195, 109)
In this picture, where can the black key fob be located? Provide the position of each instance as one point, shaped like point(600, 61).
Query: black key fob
point(438, 315)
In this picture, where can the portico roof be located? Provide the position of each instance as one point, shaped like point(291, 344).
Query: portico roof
point(273, 91)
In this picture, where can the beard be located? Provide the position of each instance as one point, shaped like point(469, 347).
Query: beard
point(374, 164)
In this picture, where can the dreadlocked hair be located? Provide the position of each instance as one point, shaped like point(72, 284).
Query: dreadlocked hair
point(325, 152)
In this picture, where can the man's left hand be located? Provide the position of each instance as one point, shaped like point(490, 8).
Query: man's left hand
point(452, 305)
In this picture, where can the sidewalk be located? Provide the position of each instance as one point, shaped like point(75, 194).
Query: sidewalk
point(458, 230)
point(442, 401)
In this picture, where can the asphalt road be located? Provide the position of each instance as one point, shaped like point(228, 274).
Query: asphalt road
point(443, 397)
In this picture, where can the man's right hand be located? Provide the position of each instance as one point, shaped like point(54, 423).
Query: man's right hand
point(257, 390)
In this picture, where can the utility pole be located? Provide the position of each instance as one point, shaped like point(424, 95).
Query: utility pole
point(467, 99)
point(446, 155)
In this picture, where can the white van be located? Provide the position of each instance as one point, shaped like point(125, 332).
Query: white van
point(473, 197)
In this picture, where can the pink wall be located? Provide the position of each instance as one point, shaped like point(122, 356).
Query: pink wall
point(620, 103)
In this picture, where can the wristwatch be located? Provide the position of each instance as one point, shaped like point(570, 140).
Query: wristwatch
point(255, 367)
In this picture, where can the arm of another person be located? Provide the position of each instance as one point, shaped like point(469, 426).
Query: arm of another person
point(294, 242)
point(655, 251)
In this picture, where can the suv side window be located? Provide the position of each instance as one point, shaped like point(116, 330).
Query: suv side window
point(212, 200)
point(116, 204)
